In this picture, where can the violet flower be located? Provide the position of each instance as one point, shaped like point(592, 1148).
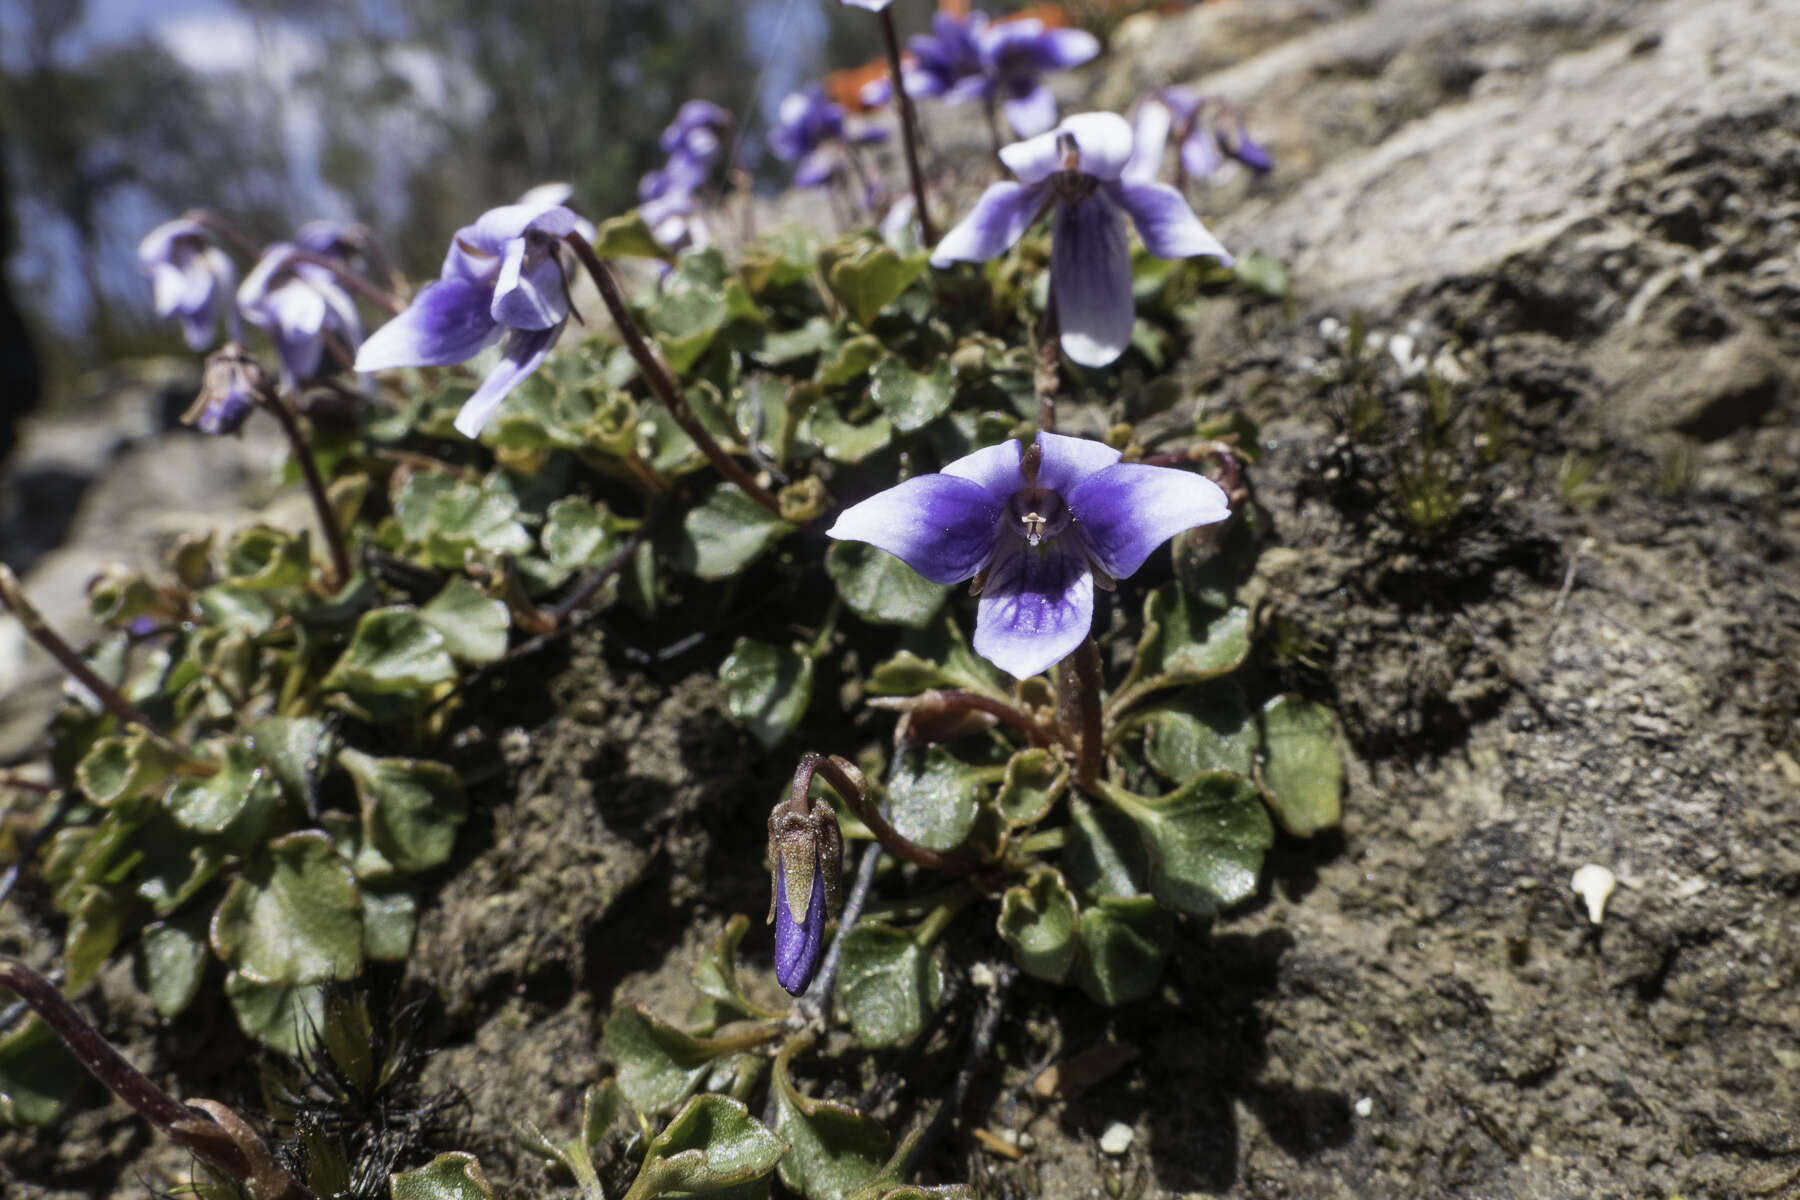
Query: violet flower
point(191, 280)
point(231, 387)
point(697, 132)
point(811, 131)
point(301, 304)
point(503, 277)
point(1035, 531)
point(870, 5)
point(1210, 130)
point(938, 61)
point(806, 857)
point(1015, 57)
point(1076, 169)
point(667, 201)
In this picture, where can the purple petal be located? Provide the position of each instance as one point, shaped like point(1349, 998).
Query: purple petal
point(871, 5)
point(324, 237)
point(1129, 509)
point(1200, 156)
point(530, 292)
point(995, 468)
point(161, 243)
point(1149, 137)
point(798, 944)
point(498, 226)
point(817, 167)
point(294, 314)
point(1000, 218)
point(1034, 159)
point(524, 353)
point(1068, 461)
point(1104, 140)
point(1090, 275)
point(447, 322)
point(1036, 606)
point(1032, 113)
point(942, 526)
point(1058, 49)
point(1166, 222)
point(547, 194)
point(1251, 153)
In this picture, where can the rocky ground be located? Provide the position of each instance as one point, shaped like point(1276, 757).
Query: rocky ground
point(1560, 622)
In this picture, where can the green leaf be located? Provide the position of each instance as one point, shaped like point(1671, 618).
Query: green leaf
point(261, 559)
point(658, 1063)
point(1039, 920)
point(911, 400)
point(390, 921)
point(627, 235)
point(889, 983)
point(580, 533)
point(170, 960)
point(473, 626)
point(454, 1176)
point(685, 324)
point(727, 533)
point(1177, 649)
point(94, 931)
point(847, 360)
point(845, 441)
point(934, 797)
point(294, 749)
point(716, 975)
point(1124, 941)
point(767, 688)
point(1205, 840)
point(1263, 273)
point(293, 917)
point(235, 608)
point(286, 1018)
point(120, 769)
point(710, 1145)
point(1201, 730)
point(1303, 773)
point(872, 280)
point(832, 1148)
point(1035, 779)
point(233, 805)
point(1105, 856)
point(411, 807)
point(880, 588)
point(38, 1075)
point(393, 650)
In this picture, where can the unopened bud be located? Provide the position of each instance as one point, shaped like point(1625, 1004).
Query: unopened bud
point(806, 853)
point(230, 387)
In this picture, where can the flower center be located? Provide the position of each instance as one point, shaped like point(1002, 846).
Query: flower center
point(1036, 514)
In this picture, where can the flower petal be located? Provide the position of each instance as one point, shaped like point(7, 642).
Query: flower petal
point(1059, 49)
point(498, 226)
point(1068, 461)
point(817, 168)
point(995, 468)
point(1035, 159)
point(1149, 136)
point(1200, 155)
point(1104, 140)
point(1166, 222)
point(1000, 218)
point(447, 322)
point(798, 943)
point(1129, 509)
point(530, 292)
point(1036, 606)
point(524, 353)
point(1090, 273)
point(942, 526)
point(1033, 112)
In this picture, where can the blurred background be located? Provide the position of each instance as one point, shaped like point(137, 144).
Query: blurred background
point(409, 115)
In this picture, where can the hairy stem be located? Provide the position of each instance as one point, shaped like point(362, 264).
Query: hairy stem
point(1047, 376)
point(1078, 696)
point(315, 486)
point(662, 380)
point(909, 127)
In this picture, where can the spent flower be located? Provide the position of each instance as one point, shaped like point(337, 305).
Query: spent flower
point(806, 857)
point(1036, 530)
point(299, 303)
point(191, 279)
point(1077, 169)
point(231, 387)
point(502, 277)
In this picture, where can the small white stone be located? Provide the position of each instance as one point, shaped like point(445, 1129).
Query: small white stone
point(1594, 884)
point(1365, 1106)
point(982, 976)
point(1331, 329)
point(1117, 1139)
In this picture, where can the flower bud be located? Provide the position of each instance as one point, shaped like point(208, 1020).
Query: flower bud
point(230, 387)
point(806, 853)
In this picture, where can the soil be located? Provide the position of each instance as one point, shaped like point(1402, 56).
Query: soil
point(1584, 215)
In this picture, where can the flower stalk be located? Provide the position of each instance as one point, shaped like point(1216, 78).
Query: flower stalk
point(213, 1132)
point(909, 126)
point(13, 599)
point(1078, 695)
point(1046, 379)
point(849, 783)
point(315, 487)
point(661, 380)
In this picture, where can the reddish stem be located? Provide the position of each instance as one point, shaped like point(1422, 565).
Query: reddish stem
point(848, 782)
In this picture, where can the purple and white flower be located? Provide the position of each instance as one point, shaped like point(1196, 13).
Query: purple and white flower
point(871, 5)
point(1209, 131)
point(502, 277)
point(231, 387)
point(1076, 170)
point(937, 61)
point(300, 303)
point(806, 856)
point(812, 132)
point(1015, 57)
point(697, 132)
point(191, 280)
point(1036, 530)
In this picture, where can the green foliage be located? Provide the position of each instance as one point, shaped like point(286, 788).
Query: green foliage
point(889, 983)
point(454, 1176)
point(767, 687)
point(832, 1148)
point(1303, 773)
point(38, 1077)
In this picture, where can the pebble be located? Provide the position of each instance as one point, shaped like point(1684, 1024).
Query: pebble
point(1117, 1139)
point(1365, 1106)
